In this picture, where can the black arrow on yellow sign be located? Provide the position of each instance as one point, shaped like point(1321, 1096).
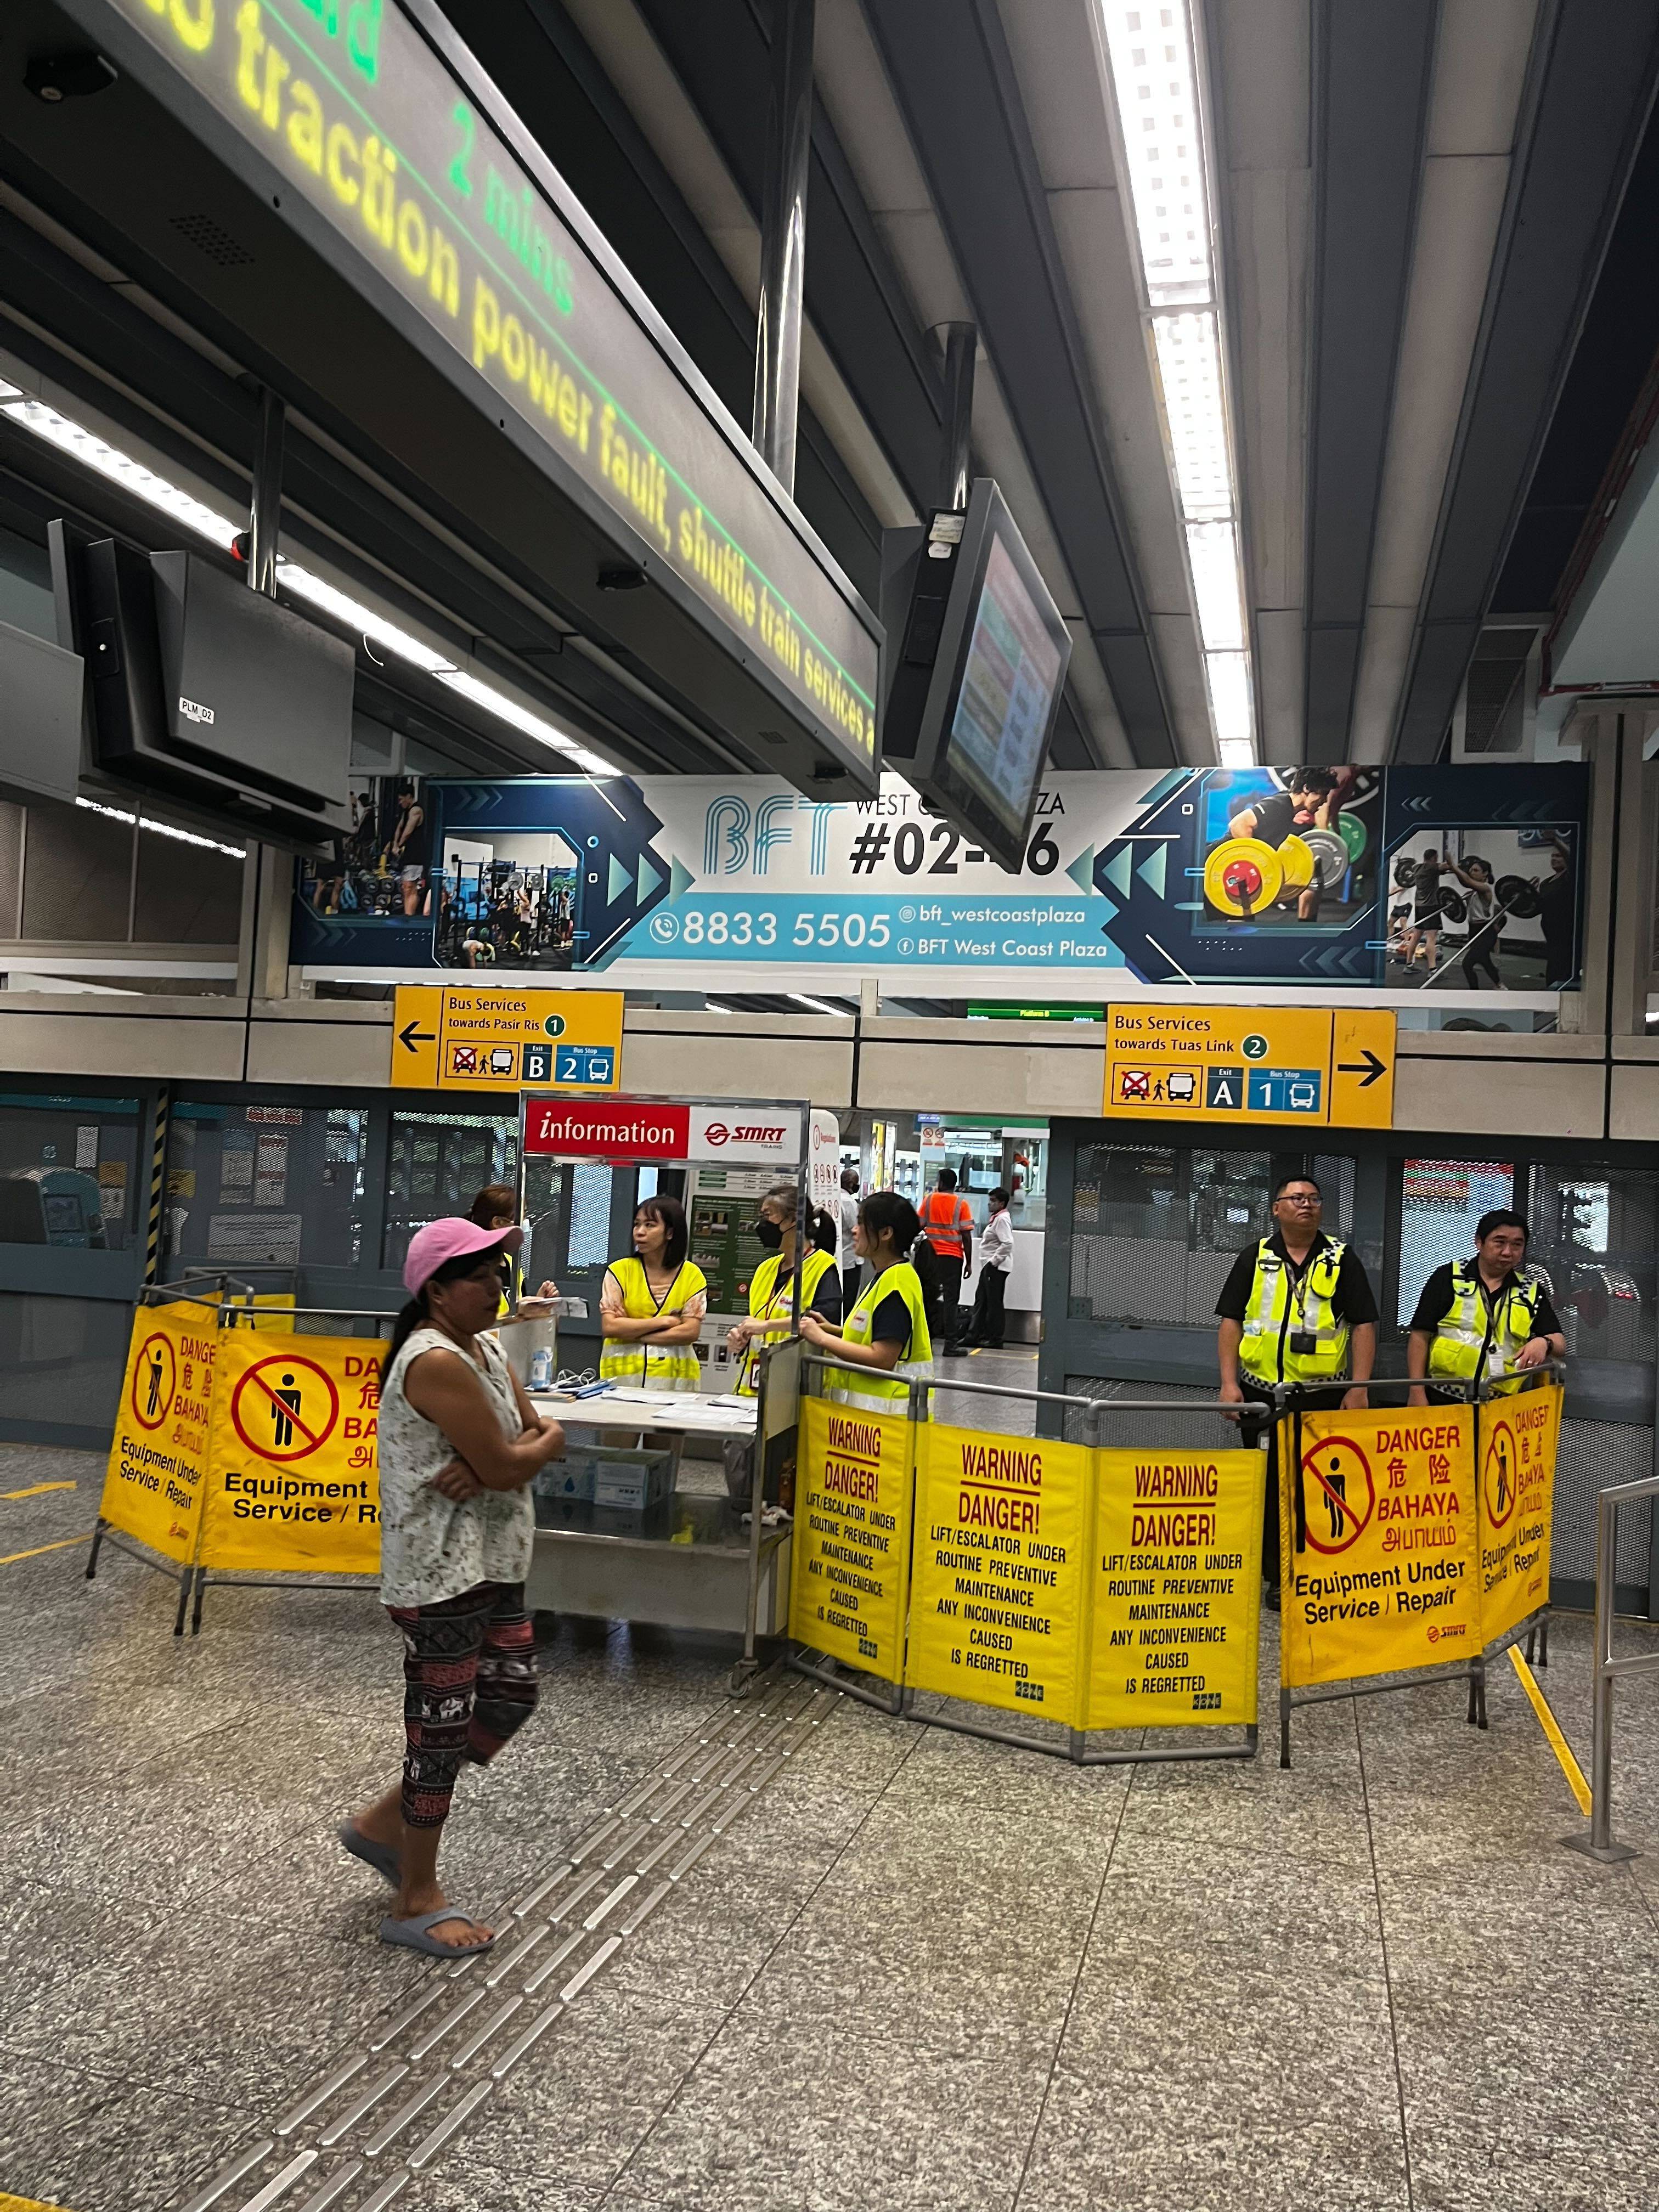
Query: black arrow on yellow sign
point(1367, 1069)
point(411, 1034)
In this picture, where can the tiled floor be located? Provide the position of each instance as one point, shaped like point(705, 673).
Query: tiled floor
point(924, 1973)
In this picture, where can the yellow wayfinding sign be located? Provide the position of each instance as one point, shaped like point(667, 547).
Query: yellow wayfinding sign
point(293, 1483)
point(1251, 1064)
point(996, 1579)
point(1177, 1589)
point(158, 1460)
point(1517, 1440)
point(852, 1539)
point(448, 1037)
point(1379, 1538)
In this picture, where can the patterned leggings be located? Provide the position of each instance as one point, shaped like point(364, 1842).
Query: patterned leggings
point(469, 1684)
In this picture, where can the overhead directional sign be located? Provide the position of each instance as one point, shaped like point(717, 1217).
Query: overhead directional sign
point(1294, 1064)
point(451, 1037)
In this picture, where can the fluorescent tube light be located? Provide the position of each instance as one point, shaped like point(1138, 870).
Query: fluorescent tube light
point(817, 1006)
point(1153, 86)
point(163, 829)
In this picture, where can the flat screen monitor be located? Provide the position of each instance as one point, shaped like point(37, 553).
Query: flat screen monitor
point(997, 680)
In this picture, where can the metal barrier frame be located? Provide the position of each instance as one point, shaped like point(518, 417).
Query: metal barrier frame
point(193, 1579)
point(901, 1699)
point(1535, 1627)
point(1599, 1843)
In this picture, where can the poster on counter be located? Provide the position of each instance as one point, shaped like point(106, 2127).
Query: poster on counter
point(1452, 879)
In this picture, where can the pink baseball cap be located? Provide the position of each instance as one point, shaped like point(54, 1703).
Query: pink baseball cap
point(429, 1248)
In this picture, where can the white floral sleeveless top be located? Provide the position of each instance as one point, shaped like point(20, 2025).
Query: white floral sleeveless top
point(432, 1549)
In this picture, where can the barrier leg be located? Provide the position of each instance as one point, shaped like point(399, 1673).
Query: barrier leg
point(1477, 1712)
point(1284, 1728)
point(97, 1545)
point(1599, 1844)
point(185, 1574)
point(196, 1609)
point(1544, 1641)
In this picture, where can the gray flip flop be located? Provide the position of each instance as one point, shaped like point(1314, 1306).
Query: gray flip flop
point(381, 1857)
point(416, 1933)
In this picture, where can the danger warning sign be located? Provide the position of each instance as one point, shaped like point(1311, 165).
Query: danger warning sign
point(285, 1408)
point(293, 1482)
point(1517, 1435)
point(1377, 1527)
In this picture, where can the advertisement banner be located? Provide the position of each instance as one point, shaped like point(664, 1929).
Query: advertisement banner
point(996, 1583)
point(1452, 878)
point(1377, 1532)
point(852, 1539)
point(293, 1484)
point(1177, 1589)
point(158, 1461)
point(1517, 1435)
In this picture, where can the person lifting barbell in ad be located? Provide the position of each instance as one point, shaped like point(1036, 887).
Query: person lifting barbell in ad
point(1288, 845)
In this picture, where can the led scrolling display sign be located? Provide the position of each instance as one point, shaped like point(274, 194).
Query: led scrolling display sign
point(346, 100)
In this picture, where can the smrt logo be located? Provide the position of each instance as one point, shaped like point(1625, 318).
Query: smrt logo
point(756, 1133)
point(192, 712)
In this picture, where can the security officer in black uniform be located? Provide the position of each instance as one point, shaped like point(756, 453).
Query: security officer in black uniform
point(1297, 1307)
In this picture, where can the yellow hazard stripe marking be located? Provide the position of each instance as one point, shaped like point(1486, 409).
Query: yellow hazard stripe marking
point(25, 2204)
point(1551, 1728)
point(37, 1490)
point(64, 1545)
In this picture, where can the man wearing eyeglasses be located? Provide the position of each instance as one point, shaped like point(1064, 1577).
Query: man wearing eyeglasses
point(1297, 1307)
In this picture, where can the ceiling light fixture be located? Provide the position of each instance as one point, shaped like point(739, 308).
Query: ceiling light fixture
point(1164, 161)
point(162, 829)
point(96, 452)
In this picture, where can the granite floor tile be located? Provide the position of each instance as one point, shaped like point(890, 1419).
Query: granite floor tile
point(1455, 2168)
point(963, 1772)
point(1316, 1812)
point(773, 2122)
point(1192, 1900)
point(83, 2140)
point(1524, 1923)
point(1080, 2164)
point(1494, 1804)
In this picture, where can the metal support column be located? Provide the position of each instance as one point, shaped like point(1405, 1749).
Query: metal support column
point(956, 477)
point(783, 238)
point(265, 518)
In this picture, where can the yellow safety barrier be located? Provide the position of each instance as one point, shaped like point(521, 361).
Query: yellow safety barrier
point(232, 1457)
point(1100, 1588)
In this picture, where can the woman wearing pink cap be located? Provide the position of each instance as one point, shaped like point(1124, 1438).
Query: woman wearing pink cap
point(459, 1444)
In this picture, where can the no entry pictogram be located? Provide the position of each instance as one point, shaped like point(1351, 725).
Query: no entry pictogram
point(1500, 1474)
point(154, 1376)
point(1339, 1493)
point(285, 1409)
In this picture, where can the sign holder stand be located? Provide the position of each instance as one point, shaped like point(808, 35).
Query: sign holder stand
point(1534, 1628)
point(1077, 1748)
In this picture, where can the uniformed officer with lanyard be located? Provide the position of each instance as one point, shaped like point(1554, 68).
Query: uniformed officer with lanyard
point(1479, 1320)
point(1297, 1307)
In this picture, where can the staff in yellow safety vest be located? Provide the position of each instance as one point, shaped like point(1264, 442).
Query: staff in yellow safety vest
point(1481, 1319)
point(1297, 1307)
point(771, 1314)
point(885, 1339)
point(651, 1307)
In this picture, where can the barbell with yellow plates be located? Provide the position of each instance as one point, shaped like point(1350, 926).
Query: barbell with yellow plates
point(1242, 875)
point(1296, 859)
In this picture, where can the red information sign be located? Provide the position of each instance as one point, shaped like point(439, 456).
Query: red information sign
point(610, 1129)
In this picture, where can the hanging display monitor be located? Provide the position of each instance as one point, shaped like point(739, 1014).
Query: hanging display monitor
point(982, 617)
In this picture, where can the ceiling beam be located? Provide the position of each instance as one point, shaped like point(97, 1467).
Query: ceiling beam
point(1587, 106)
point(1371, 74)
point(951, 71)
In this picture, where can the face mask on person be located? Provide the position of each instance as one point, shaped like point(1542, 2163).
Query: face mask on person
point(768, 1234)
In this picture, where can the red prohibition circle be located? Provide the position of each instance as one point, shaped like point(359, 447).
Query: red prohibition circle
point(156, 1357)
point(1494, 1518)
point(264, 1387)
point(1357, 1522)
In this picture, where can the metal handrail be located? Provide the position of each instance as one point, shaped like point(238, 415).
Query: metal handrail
point(1599, 1843)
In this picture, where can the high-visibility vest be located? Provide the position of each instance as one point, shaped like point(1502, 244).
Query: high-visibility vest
point(885, 1390)
point(1279, 1309)
point(1469, 1344)
point(944, 1230)
point(772, 1298)
point(652, 1366)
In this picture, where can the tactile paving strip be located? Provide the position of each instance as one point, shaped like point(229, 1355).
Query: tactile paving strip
point(356, 2138)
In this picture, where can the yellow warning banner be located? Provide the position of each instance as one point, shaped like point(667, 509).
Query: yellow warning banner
point(1378, 1540)
point(294, 1483)
point(1517, 1437)
point(996, 1580)
point(852, 1536)
point(153, 1486)
point(1177, 1589)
